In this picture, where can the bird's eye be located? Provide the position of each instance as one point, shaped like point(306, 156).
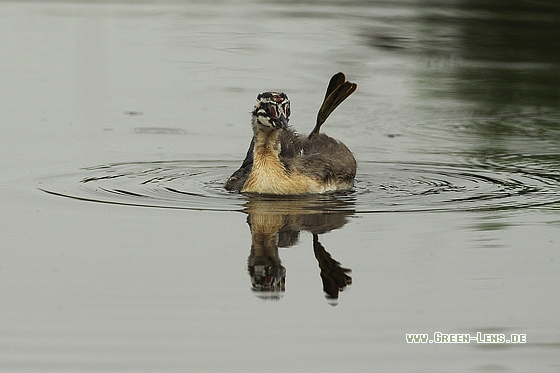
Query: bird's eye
point(272, 111)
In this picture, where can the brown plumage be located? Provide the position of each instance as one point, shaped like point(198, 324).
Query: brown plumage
point(279, 161)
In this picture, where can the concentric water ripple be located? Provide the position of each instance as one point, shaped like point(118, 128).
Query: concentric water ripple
point(501, 183)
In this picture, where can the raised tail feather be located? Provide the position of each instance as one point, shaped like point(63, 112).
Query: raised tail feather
point(337, 91)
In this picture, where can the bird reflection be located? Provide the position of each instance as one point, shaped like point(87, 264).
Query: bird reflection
point(335, 278)
point(277, 222)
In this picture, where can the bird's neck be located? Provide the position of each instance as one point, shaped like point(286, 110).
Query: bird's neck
point(266, 153)
point(267, 144)
point(268, 172)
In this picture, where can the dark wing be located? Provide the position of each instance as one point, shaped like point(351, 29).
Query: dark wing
point(236, 181)
point(338, 90)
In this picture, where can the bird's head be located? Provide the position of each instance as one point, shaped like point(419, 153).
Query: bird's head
point(272, 111)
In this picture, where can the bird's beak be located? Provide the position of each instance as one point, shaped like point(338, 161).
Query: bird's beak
point(280, 122)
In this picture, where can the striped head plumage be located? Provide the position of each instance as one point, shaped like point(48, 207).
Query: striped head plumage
point(272, 110)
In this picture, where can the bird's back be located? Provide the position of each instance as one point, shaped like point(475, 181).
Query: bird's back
point(325, 159)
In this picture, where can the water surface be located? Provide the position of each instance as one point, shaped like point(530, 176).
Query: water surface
point(120, 251)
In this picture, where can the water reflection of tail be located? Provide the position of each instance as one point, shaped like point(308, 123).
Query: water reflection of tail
point(277, 222)
point(335, 278)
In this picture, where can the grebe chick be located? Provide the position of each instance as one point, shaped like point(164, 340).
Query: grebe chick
point(279, 161)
